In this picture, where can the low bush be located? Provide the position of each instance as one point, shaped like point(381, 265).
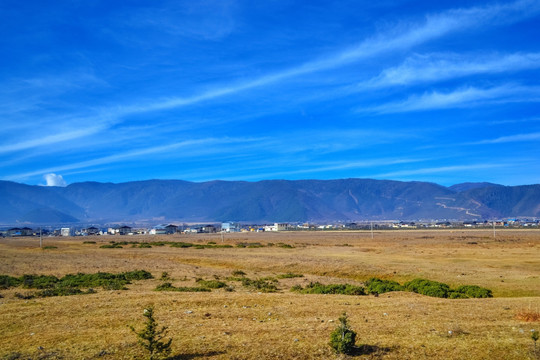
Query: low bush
point(318, 288)
point(169, 287)
point(24, 296)
point(474, 291)
point(7, 281)
point(111, 246)
point(210, 246)
point(60, 291)
point(49, 247)
point(379, 286)
point(71, 284)
point(285, 246)
point(428, 288)
point(38, 281)
point(181, 245)
point(164, 276)
point(238, 273)
point(262, 285)
point(289, 276)
point(211, 284)
point(145, 246)
point(89, 242)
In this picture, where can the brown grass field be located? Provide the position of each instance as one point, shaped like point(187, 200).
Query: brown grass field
point(245, 324)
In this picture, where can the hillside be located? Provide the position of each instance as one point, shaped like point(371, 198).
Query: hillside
point(263, 201)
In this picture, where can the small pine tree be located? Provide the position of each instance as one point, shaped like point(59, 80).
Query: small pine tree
point(343, 338)
point(534, 337)
point(151, 337)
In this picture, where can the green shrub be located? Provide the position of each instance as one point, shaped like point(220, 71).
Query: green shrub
point(457, 295)
point(428, 287)
point(285, 246)
point(38, 281)
point(136, 275)
point(343, 338)
point(379, 286)
point(211, 284)
point(169, 287)
point(59, 291)
point(7, 281)
point(289, 276)
point(181, 245)
point(107, 281)
point(238, 273)
point(145, 246)
point(111, 246)
point(24, 296)
point(49, 247)
point(89, 242)
point(474, 291)
point(151, 337)
point(165, 276)
point(262, 285)
point(318, 288)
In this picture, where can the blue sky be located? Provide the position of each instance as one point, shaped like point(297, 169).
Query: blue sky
point(440, 91)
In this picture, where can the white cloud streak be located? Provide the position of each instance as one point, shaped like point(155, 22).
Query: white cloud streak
point(441, 67)
point(191, 148)
point(508, 139)
point(459, 98)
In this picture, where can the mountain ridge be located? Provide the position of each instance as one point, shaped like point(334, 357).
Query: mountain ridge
point(263, 201)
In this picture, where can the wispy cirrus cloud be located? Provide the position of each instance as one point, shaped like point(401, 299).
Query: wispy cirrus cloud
point(508, 139)
point(460, 98)
point(190, 148)
point(399, 38)
point(441, 67)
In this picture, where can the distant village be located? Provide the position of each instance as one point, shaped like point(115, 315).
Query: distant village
point(236, 227)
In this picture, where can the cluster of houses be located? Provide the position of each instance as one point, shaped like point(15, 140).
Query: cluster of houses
point(232, 227)
point(161, 229)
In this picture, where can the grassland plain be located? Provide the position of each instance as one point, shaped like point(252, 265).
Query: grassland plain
point(248, 324)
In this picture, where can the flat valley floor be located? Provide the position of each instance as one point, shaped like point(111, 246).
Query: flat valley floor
point(238, 322)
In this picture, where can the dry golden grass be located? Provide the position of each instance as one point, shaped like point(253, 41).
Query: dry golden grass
point(285, 325)
point(528, 315)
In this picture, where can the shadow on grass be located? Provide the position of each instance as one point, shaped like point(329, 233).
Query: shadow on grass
point(201, 355)
point(370, 350)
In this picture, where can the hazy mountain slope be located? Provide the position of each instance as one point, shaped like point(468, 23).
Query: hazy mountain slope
point(469, 186)
point(262, 201)
point(20, 202)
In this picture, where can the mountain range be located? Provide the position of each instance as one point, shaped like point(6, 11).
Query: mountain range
point(262, 202)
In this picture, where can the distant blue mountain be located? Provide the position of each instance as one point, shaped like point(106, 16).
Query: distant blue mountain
point(262, 201)
point(469, 186)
